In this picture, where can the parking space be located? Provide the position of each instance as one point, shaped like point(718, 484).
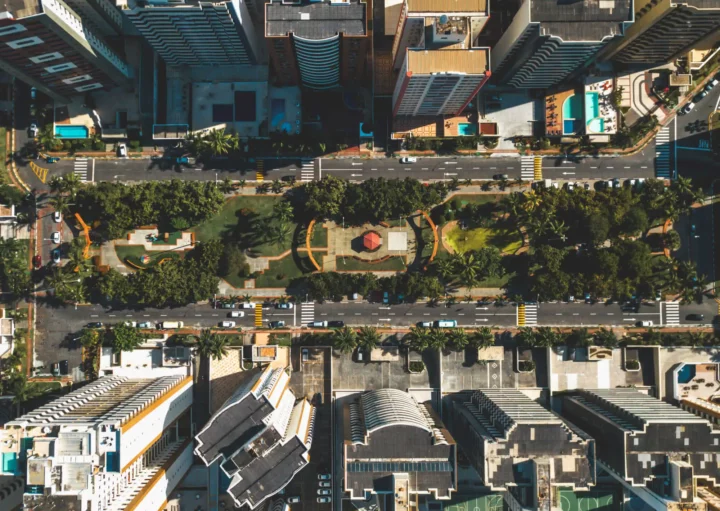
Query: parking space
point(53, 343)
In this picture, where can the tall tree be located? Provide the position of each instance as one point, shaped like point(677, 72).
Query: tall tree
point(125, 337)
point(345, 339)
point(212, 345)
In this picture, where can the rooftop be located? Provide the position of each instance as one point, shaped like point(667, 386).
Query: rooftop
point(424, 62)
point(581, 20)
point(316, 20)
point(447, 6)
point(21, 8)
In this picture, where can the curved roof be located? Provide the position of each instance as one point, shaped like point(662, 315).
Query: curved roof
point(391, 407)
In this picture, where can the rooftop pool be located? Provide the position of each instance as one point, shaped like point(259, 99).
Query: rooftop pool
point(71, 131)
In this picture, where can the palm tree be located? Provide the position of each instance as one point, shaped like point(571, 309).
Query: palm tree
point(218, 142)
point(483, 337)
point(242, 183)
point(546, 337)
point(345, 339)
point(696, 338)
point(579, 337)
point(263, 188)
point(454, 183)
point(525, 336)
point(512, 204)
point(212, 345)
point(368, 337)
point(557, 227)
point(458, 339)
point(417, 339)
point(445, 268)
point(468, 182)
point(277, 186)
point(71, 184)
point(283, 211)
point(247, 298)
point(226, 185)
point(605, 337)
point(322, 146)
point(437, 339)
point(532, 201)
point(60, 203)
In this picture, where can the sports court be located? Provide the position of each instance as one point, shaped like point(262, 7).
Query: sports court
point(476, 503)
point(605, 500)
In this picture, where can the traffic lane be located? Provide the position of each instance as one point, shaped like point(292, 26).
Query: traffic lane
point(708, 308)
point(409, 314)
point(600, 168)
point(585, 314)
point(693, 126)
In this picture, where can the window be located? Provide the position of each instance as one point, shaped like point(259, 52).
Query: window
point(60, 67)
point(46, 57)
point(90, 86)
point(77, 79)
point(12, 29)
point(24, 43)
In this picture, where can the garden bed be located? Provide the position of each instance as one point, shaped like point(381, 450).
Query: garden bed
point(508, 241)
point(130, 255)
point(393, 263)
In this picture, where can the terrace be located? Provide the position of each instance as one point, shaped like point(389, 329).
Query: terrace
point(601, 117)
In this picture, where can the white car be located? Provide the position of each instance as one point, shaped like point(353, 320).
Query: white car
point(57, 216)
point(688, 108)
point(130, 323)
point(55, 237)
point(33, 130)
point(645, 323)
point(122, 150)
point(247, 305)
point(227, 324)
point(324, 484)
point(408, 159)
point(570, 186)
point(631, 182)
point(236, 314)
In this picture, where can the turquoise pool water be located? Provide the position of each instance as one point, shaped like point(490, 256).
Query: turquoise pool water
point(597, 125)
point(571, 107)
point(467, 129)
point(592, 105)
point(69, 131)
point(9, 462)
point(569, 127)
point(686, 373)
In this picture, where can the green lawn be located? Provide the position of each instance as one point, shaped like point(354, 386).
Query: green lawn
point(133, 252)
point(280, 272)
point(605, 500)
point(319, 237)
point(484, 198)
point(395, 263)
point(507, 241)
point(227, 218)
point(172, 238)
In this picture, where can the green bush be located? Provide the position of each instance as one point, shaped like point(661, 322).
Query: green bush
point(526, 366)
point(134, 145)
point(632, 365)
point(416, 366)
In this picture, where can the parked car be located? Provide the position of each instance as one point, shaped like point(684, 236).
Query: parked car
point(55, 237)
point(37, 261)
point(295, 499)
point(286, 305)
point(324, 500)
point(408, 159)
point(227, 324)
point(247, 305)
point(324, 484)
point(323, 491)
point(501, 177)
point(56, 369)
point(52, 159)
point(701, 95)
point(145, 324)
point(336, 324)
point(182, 160)
point(318, 324)
point(324, 477)
point(711, 84)
point(33, 130)
point(688, 108)
point(695, 317)
point(33, 93)
point(130, 323)
point(236, 314)
point(226, 305)
point(122, 150)
point(644, 323)
point(446, 323)
point(425, 324)
point(55, 256)
point(64, 367)
point(276, 324)
point(95, 324)
point(57, 217)
point(570, 186)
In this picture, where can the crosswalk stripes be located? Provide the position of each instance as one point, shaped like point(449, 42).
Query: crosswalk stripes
point(672, 313)
point(81, 168)
point(537, 168)
point(260, 174)
point(662, 153)
point(307, 170)
point(258, 314)
point(527, 168)
point(527, 314)
point(521, 314)
point(307, 313)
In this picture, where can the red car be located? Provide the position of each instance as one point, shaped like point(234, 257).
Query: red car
point(37, 261)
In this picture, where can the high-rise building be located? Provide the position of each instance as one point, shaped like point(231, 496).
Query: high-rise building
point(548, 40)
point(116, 444)
point(104, 16)
point(666, 29)
point(197, 33)
point(49, 46)
point(261, 437)
point(395, 445)
point(318, 45)
point(657, 450)
point(518, 446)
point(440, 67)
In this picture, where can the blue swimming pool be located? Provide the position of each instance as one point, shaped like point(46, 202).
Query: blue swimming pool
point(277, 113)
point(466, 129)
point(596, 125)
point(686, 373)
point(592, 105)
point(70, 131)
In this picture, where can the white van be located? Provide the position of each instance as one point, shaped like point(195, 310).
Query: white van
point(227, 324)
point(318, 324)
point(165, 325)
point(446, 323)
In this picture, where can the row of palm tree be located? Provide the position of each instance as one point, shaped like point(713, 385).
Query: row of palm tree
point(215, 142)
point(420, 339)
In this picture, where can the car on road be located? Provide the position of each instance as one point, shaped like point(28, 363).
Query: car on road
point(55, 256)
point(130, 323)
point(225, 305)
point(286, 305)
point(52, 159)
point(227, 324)
point(336, 324)
point(570, 186)
point(95, 324)
point(295, 499)
point(324, 477)
point(688, 108)
point(33, 93)
point(425, 324)
point(446, 323)
point(37, 261)
point(236, 314)
point(408, 159)
point(324, 500)
point(145, 324)
point(276, 324)
point(323, 491)
point(644, 323)
point(629, 307)
point(55, 237)
point(57, 217)
point(501, 177)
point(33, 130)
point(318, 324)
point(701, 95)
point(324, 484)
point(122, 150)
point(695, 317)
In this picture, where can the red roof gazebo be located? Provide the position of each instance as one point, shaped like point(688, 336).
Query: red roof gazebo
point(372, 240)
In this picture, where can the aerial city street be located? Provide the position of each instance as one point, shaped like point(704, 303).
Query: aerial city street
point(337, 255)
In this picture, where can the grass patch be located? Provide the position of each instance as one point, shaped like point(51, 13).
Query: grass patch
point(227, 218)
point(319, 237)
point(281, 339)
point(280, 272)
point(484, 198)
point(132, 253)
point(395, 263)
point(36, 389)
point(507, 241)
point(172, 239)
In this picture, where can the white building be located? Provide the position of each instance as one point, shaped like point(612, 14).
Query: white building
point(115, 444)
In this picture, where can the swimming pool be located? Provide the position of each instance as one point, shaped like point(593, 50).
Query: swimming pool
point(592, 105)
point(686, 373)
point(70, 131)
point(597, 125)
point(466, 129)
point(571, 107)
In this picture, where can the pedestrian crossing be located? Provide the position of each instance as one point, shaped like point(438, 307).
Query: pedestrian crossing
point(527, 168)
point(307, 313)
point(80, 168)
point(527, 314)
point(538, 168)
point(258, 315)
point(662, 153)
point(260, 173)
point(672, 313)
point(307, 170)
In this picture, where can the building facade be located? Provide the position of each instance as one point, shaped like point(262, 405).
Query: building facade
point(549, 40)
point(317, 45)
point(49, 46)
point(666, 29)
point(116, 444)
point(520, 447)
point(395, 445)
point(198, 33)
point(261, 437)
point(661, 452)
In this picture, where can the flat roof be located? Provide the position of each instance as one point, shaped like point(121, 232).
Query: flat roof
point(581, 20)
point(316, 20)
point(424, 62)
point(445, 6)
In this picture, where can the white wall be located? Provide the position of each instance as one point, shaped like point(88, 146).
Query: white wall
point(158, 494)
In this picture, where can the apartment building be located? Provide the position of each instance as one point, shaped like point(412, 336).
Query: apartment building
point(104, 16)
point(394, 445)
point(261, 437)
point(440, 67)
point(116, 444)
point(660, 452)
point(666, 29)
point(318, 45)
point(198, 33)
point(521, 448)
point(51, 47)
point(548, 40)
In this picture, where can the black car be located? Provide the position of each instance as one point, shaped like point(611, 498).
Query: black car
point(501, 177)
point(695, 317)
point(336, 324)
point(64, 367)
point(96, 324)
point(629, 307)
